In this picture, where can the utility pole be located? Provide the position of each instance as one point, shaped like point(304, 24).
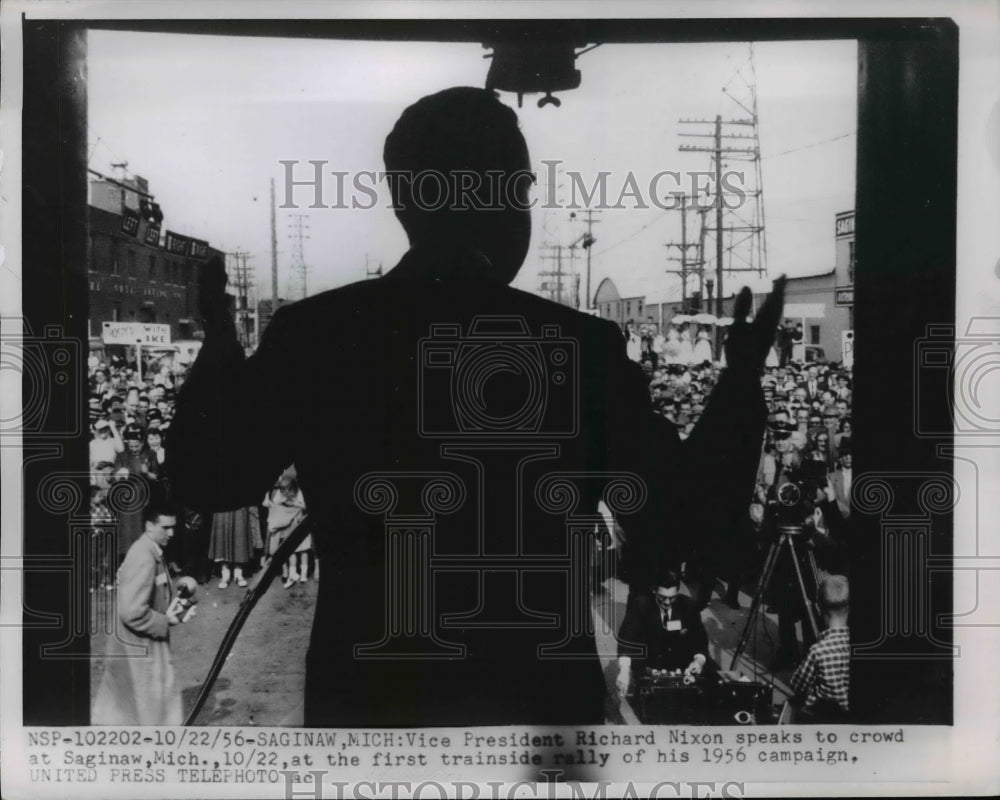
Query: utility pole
point(738, 227)
point(298, 226)
point(718, 214)
point(587, 241)
point(242, 279)
point(556, 292)
point(688, 265)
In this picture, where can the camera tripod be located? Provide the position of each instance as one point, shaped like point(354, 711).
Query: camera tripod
point(787, 536)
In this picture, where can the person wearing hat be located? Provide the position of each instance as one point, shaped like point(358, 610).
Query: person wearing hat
point(106, 444)
point(135, 464)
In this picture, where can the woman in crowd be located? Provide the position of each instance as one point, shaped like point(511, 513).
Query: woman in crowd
point(672, 346)
point(702, 348)
point(843, 432)
point(286, 508)
point(234, 537)
point(154, 443)
point(633, 344)
point(685, 351)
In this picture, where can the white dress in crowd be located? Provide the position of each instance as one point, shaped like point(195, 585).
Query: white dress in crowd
point(633, 347)
point(685, 353)
point(672, 347)
point(703, 349)
point(772, 358)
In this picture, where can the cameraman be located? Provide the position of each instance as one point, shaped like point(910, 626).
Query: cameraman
point(791, 503)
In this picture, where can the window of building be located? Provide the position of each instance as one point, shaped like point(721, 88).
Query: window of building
point(116, 311)
point(131, 264)
point(115, 268)
point(152, 267)
point(814, 334)
point(850, 261)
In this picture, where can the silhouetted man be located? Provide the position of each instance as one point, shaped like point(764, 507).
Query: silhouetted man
point(453, 460)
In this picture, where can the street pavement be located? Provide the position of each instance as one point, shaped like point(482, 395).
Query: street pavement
point(263, 678)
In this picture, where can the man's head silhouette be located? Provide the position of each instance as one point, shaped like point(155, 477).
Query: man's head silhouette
point(459, 174)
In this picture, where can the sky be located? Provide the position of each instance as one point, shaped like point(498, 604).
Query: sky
point(207, 120)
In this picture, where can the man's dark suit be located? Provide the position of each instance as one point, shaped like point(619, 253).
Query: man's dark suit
point(664, 649)
point(336, 387)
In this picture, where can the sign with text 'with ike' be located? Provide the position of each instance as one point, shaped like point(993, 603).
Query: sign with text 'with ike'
point(132, 333)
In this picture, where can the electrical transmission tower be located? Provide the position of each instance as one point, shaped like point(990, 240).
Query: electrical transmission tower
point(735, 218)
point(299, 268)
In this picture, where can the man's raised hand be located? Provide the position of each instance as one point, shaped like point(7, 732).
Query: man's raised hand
point(748, 344)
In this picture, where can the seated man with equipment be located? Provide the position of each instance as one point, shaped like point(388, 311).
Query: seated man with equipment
point(668, 626)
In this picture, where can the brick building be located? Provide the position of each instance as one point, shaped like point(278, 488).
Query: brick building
point(137, 272)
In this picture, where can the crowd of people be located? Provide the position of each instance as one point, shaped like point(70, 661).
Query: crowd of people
point(807, 444)
point(130, 415)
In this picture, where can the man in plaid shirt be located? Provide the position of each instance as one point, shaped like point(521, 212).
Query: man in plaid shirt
point(822, 681)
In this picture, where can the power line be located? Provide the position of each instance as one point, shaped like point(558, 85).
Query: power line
point(808, 146)
point(609, 248)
